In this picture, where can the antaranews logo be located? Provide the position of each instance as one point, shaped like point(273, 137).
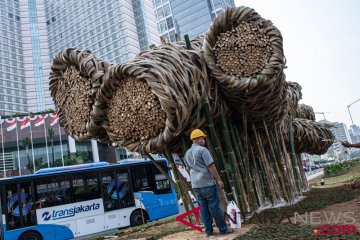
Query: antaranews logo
point(69, 212)
point(336, 223)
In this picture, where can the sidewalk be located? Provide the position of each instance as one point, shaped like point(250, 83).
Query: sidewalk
point(312, 176)
point(195, 235)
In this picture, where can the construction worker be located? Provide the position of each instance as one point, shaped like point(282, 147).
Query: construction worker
point(204, 177)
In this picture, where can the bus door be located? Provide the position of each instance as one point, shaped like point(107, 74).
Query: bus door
point(144, 190)
point(20, 210)
point(112, 218)
point(167, 203)
point(117, 195)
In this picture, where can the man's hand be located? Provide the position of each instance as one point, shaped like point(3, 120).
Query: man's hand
point(346, 144)
point(220, 184)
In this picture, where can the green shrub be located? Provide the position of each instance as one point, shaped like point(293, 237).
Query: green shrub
point(336, 169)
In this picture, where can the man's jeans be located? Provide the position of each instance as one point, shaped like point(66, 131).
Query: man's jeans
point(208, 198)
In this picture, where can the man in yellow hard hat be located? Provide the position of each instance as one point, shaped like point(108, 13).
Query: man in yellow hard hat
point(204, 177)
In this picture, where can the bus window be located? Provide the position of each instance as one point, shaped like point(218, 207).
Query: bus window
point(141, 178)
point(28, 207)
point(52, 191)
point(12, 207)
point(125, 193)
point(85, 186)
point(161, 182)
point(109, 191)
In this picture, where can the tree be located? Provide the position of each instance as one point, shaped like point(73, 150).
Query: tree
point(76, 158)
point(38, 165)
point(25, 143)
point(51, 135)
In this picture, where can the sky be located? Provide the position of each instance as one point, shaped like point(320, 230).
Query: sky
point(321, 40)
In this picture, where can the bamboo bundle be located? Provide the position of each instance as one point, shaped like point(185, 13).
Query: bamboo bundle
point(154, 98)
point(312, 137)
point(136, 110)
point(244, 53)
point(75, 78)
point(305, 111)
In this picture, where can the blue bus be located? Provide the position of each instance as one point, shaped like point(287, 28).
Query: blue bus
point(68, 202)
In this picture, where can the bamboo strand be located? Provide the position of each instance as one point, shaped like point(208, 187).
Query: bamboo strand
point(231, 155)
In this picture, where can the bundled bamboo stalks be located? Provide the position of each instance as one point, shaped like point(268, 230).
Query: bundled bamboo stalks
point(135, 112)
point(244, 53)
point(75, 78)
point(312, 137)
point(305, 111)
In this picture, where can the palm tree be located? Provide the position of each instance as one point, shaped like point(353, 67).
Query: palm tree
point(51, 135)
point(25, 143)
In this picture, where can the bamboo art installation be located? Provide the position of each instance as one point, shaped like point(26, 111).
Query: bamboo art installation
point(231, 83)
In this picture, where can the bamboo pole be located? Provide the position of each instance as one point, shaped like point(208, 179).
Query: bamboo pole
point(259, 180)
point(279, 170)
point(280, 145)
point(289, 168)
point(278, 158)
point(244, 206)
point(246, 157)
point(249, 181)
point(160, 169)
point(293, 160)
point(266, 166)
point(185, 197)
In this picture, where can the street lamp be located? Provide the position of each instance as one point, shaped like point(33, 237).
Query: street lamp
point(323, 113)
point(352, 121)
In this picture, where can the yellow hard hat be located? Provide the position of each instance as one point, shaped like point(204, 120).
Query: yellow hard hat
point(196, 133)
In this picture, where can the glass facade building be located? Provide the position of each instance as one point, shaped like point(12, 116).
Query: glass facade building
point(12, 72)
point(191, 17)
point(114, 30)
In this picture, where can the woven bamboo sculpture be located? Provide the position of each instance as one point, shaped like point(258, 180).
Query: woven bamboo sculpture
point(231, 83)
point(245, 55)
point(75, 78)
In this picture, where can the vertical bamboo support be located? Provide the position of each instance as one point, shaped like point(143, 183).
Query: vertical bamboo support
point(302, 172)
point(245, 163)
point(279, 169)
point(280, 145)
point(231, 155)
point(289, 167)
point(266, 166)
point(294, 162)
point(278, 158)
point(261, 190)
point(177, 178)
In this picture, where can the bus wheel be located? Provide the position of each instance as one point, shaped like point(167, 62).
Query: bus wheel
point(31, 236)
point(136, 217)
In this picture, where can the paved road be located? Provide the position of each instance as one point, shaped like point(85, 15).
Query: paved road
point(314, 175)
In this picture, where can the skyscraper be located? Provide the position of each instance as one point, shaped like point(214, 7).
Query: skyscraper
point(191, 17)
point(114, 30)
point(23, 58)
point(341, 133)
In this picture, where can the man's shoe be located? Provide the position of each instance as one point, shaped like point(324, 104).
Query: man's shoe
point(230, 230)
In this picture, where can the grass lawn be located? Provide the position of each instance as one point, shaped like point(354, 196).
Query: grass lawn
point(351, 175)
